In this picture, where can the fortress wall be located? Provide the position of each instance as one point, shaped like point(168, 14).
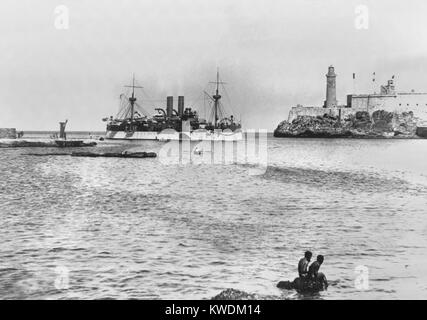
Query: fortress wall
point(318, 111)
point(400, 102)
point(371, 103)
point(7, 133)
point(406, 102)
point(417, 103)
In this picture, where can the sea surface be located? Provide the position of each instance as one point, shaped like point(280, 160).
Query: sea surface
point(113, 228)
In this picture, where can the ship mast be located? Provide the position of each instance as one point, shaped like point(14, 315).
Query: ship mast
point(216, 97)
point(132, 99)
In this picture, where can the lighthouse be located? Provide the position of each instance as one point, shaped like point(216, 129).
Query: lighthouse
point(331, 91)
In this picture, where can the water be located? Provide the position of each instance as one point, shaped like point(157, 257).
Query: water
point(98, 228)
point(70, 135)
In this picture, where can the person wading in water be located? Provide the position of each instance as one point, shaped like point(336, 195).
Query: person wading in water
point(310, 279)
point(315, 275)
point(303, 265)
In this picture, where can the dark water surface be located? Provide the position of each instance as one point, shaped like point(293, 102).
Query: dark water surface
point(136, 228)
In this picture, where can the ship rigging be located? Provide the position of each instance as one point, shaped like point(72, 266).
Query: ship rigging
point(134, 122)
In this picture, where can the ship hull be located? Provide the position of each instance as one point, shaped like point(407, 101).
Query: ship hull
point(202, 135)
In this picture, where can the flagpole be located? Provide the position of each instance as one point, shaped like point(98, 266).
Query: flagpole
point(373, 82)
point(354, 83)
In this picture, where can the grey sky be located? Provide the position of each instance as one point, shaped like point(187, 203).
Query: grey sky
point(273, 54)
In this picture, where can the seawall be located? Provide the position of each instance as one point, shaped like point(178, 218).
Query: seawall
point(7, 133)
point(319, 111)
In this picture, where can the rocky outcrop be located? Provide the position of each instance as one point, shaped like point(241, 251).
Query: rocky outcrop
point(233, 294)
point(361, 124)
point(303, 286)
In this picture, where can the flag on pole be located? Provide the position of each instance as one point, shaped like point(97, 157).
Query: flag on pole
point(354, 83)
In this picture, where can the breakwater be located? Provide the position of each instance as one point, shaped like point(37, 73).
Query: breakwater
point(124, 154)
point(44, 143)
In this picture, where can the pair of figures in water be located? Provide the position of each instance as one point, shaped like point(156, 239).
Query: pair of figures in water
point(310, 275)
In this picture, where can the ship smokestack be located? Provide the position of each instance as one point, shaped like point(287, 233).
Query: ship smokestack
point(169, 106)
point(331, 90)
point(181, 106)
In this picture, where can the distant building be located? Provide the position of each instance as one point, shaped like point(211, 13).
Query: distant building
point(388, 99)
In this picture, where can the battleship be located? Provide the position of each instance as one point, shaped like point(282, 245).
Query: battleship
point(133, 122)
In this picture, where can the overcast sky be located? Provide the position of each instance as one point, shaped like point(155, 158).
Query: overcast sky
point(273, 54)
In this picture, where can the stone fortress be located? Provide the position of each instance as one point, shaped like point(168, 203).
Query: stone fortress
point(388, 100)
point(378, 115)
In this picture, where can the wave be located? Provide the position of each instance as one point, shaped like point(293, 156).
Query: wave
point(337, 180)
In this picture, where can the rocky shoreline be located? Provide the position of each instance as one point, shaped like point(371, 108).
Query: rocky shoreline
point(233, 294)
point(362, 125)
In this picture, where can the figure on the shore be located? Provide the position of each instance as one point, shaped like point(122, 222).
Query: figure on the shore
point(62, 134)
point(303, 264)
